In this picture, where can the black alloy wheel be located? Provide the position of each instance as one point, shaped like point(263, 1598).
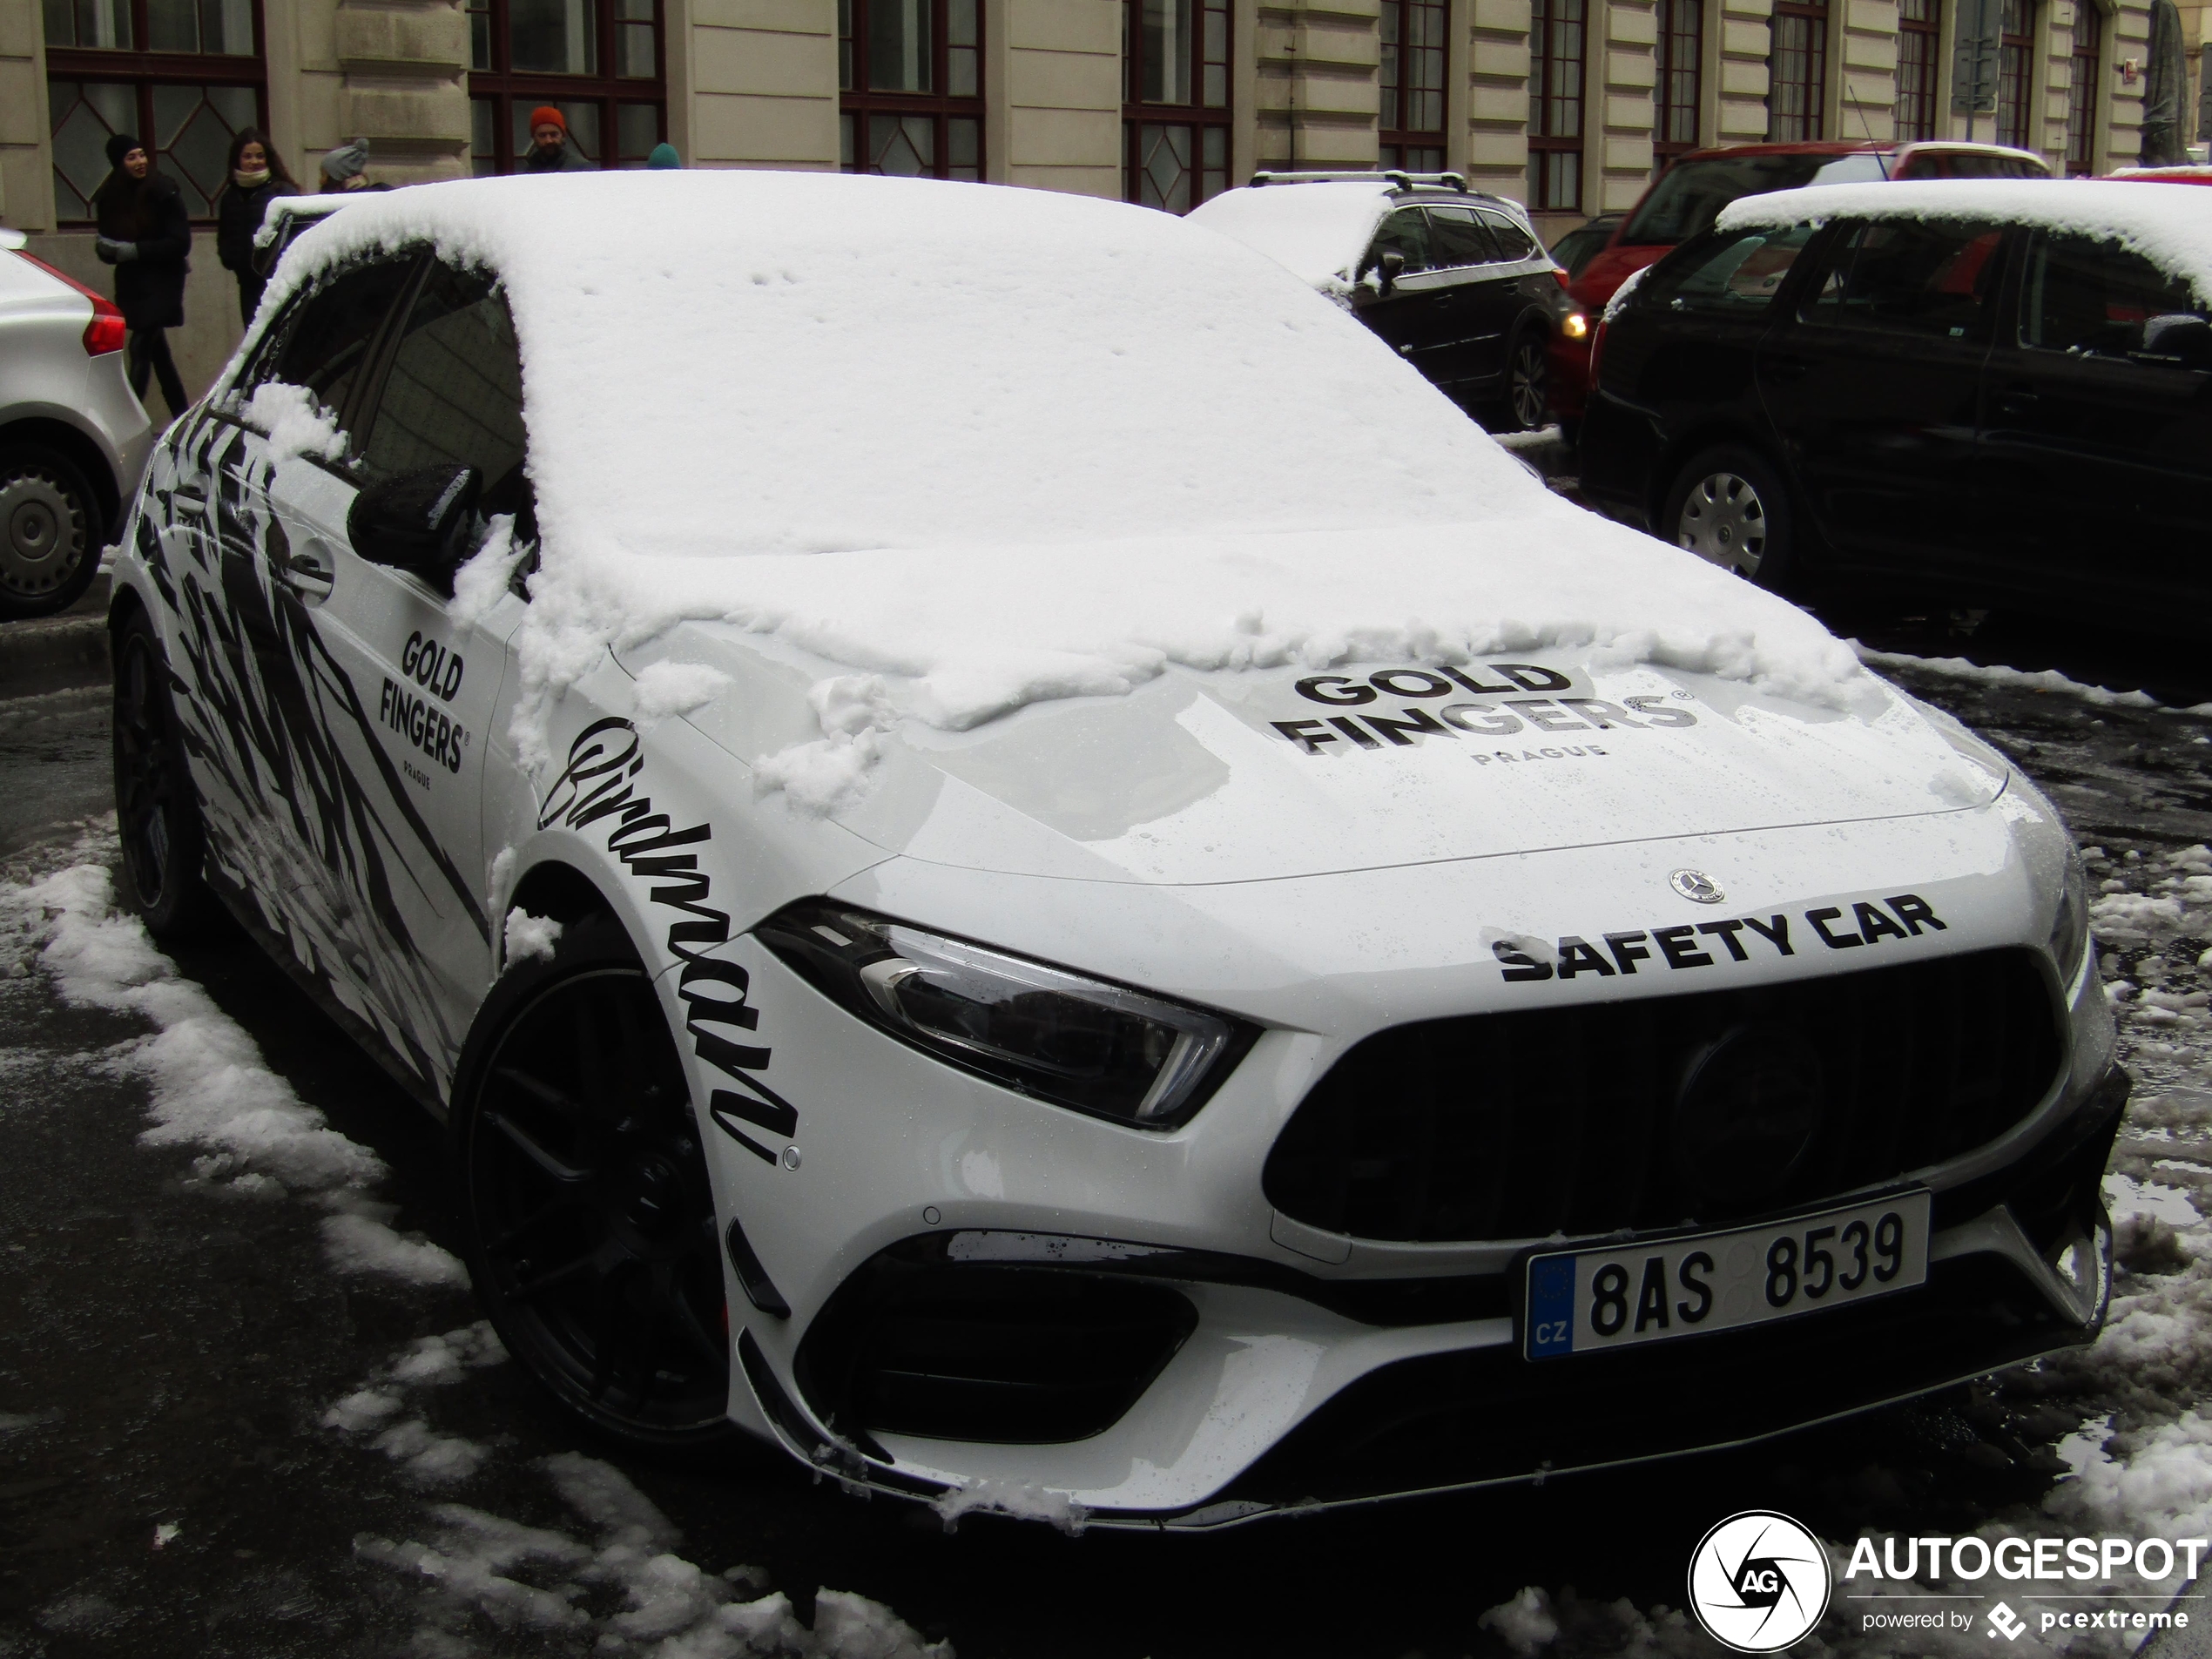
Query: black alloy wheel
point(1528, 382)
point(50, 533)
point(157, 813)
point(587, 1219)
point(1730, 508)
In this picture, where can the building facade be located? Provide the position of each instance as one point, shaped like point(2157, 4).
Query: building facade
point(1569, 105)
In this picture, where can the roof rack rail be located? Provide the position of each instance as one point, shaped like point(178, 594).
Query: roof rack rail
point(1396, 175)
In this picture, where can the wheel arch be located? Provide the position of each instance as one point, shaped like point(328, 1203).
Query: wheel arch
point(73, 445)
point(1676, 452)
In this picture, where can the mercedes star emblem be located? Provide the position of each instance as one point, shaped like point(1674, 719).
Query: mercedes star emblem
point(1696, 887)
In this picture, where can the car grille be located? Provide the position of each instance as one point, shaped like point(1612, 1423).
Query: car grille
point(1571, 1120)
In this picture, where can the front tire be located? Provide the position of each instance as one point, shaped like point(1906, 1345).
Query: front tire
point(586, 1219)
point(157, 811)
point(1731, 508)
point(51, 533)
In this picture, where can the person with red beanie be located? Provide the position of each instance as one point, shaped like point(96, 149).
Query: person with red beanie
point(549, 150)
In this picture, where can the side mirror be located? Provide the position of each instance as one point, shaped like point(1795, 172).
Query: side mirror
point(1392, 265)
point(417, 521)
point(2181, 339)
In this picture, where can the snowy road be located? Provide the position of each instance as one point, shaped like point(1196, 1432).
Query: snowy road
point(256, 1415)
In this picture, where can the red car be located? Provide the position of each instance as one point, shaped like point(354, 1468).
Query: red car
point(1683, 202)
point(2194, 174)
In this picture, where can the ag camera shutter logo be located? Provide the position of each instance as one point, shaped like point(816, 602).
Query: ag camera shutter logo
point(1758, 1581)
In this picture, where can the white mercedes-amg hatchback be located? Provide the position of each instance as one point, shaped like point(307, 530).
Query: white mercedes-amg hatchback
point(1021, 864)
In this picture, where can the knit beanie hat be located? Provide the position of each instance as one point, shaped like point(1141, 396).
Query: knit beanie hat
point(546, 116)
point(345, 160)
point(663, 155)
point(121, 144)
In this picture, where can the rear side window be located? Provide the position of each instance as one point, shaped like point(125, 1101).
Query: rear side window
point(325, 342)
point(2097, 299)
point(1905, 276)
point(1514, 243)
point(1405, 231)
point(1457, 236)
point(455, 392)
point(1729, 276)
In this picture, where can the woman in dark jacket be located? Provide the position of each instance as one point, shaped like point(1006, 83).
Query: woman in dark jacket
point(256, 177)
point(145, 234)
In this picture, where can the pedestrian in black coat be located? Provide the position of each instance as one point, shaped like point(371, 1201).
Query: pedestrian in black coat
point(146, 235)
point(257, 177)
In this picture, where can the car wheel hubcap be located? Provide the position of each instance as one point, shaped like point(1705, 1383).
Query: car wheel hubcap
point(589, 1191)
point(45, 533)
point(1528, 386)
point(1725, 521)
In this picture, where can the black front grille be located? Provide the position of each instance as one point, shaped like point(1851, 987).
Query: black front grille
point(1564, 1120)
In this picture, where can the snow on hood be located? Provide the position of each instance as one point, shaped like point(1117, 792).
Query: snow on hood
point(1317, 232)
point(990, 446)
point(2171, 228)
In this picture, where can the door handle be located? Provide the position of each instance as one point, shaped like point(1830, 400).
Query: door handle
point(2017, 400)
point(1787, 368)
point(1406, 350)
point(308, 573)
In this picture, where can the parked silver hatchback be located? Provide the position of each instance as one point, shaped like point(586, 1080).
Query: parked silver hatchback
point(73, 436)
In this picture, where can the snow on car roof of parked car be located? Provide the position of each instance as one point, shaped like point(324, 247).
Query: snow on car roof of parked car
point(2171, 228)
point(1001, 445)
point(1316, 230)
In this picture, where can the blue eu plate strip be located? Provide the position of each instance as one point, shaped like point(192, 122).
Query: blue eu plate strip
point(1551, 1306)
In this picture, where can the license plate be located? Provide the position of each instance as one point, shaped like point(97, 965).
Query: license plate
point(1612, 1297)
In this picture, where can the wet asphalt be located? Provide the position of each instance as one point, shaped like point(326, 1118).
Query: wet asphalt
point(166, 1355)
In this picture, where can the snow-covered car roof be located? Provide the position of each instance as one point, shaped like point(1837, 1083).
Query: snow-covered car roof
point(1316, 230)
point(285, 212)
point(1000, 445)
point(2171, 228)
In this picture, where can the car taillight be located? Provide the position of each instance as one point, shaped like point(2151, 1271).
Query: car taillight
point(105, 332)
point(1564, 279)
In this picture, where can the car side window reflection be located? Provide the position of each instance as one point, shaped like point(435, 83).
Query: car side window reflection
point(454, 393)
point(1734, 276)
point(1406, 232)
point(1514, 243)
point(1913, 278)
point(1457, 236)
point(325, 342)
point(2096, 299)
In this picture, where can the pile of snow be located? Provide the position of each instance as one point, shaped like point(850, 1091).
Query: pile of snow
point(208, 1088)
point(1317, 232)
point(2171, 228)
point(996, 446)
point(297, 425)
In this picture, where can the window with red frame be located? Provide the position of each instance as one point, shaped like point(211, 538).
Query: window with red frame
point(2012, 94)
point(1557, 56)
point(1681, 54)
point(180, 76)
point(1797, 80)
point(1918, 28)
point(1175, 108)
point(912, 77)
point(599, 62)
point(2084, 79)
point(1412, 79)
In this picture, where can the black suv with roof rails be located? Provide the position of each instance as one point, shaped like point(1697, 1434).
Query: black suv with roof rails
point(1451, 278)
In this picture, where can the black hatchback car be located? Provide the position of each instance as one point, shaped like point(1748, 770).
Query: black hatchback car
point(1452, 278)
point(1991, 393)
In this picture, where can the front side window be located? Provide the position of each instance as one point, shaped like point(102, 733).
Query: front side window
point(324, 340)
point(1733, 276)
point(1406, 234)
point(1175, 108)
point(910, 74)
point(454, 393)
point(599, 62)
point(1557, 51)
point(181, 75)
point(1411, 78)
point(2093, 299)
point(1938, 280)
point(1797, 97)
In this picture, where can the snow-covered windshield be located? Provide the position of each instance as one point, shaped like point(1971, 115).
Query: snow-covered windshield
point(1685, 202)
point(1318, 231)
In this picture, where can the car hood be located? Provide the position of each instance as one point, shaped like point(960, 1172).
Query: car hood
point(1250, 775)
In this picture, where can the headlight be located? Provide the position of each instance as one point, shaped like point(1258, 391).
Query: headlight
point(2070, 927)
point(1575, 325)
point(1077, 1042)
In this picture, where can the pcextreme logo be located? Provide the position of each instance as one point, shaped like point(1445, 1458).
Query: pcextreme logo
point(1758, 1581)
